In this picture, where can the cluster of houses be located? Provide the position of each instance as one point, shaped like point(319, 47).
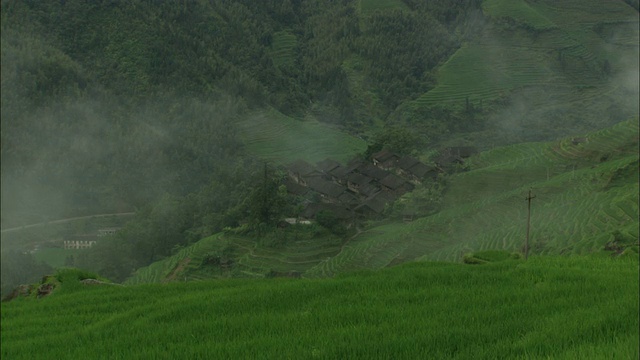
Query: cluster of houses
point(78, 244)
point(358, 189)
point(361, 188)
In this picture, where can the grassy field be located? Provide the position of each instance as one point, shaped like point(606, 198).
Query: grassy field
point(274, 136)
point(547, 307)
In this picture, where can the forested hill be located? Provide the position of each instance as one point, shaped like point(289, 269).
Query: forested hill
point(144, 96)
point(282, 53)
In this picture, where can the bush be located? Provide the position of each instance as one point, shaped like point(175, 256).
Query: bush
point(71, 277)
point(328, 220)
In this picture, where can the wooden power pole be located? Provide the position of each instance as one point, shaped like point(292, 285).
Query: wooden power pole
point(526, 243)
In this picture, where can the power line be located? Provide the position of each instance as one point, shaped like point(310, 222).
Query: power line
point(526, 243)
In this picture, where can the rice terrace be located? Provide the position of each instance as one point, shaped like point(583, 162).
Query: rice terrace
point(362, 179)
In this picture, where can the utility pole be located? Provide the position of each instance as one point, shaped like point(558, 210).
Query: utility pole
point(526, 244)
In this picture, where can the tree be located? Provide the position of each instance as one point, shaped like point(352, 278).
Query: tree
point(267, 202)
point(328, 220)
point(395, 138)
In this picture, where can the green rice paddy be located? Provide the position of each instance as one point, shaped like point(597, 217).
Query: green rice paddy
point(546, 307)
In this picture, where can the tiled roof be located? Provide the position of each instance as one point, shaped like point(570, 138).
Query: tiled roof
point(373, 172)
point(301, 167)
point(312, 210)
point(392, 181)
point(384, 155)
point(377, 202)
point(294, 188)
point(327, 165)
point(326, 187)
point(359, 179)
point(420, 170)
point(407, 162)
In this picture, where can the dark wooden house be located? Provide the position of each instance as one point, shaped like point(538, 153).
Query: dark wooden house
point(374, 206)
point(396, 184)
point(456, 154)
point(301, 170)
point(327, 165)
point(340, 212)
point(385, 159)
point(329, 191)
point(356, 180)
point(413, 170)
point(373, 172)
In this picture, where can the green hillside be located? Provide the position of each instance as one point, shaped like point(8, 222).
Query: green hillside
point(249, 258)
point(537, 44)
point(274, 136)
point(172, 109)
point(586, 196)
point(542, 69)
point(574, 212)
point(547, 307)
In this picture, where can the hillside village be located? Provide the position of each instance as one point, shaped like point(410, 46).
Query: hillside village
point(362, 189)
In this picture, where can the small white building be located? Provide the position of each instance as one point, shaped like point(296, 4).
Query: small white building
point(78, 244)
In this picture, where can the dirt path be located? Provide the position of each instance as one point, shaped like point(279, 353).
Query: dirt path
point(178, 269)
point(61, 221)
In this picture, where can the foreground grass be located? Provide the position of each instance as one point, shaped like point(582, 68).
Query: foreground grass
point(548, 307)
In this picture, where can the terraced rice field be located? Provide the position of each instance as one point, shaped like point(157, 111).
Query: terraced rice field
point(518, 10)
point(549, 43)
point(283, 48)
point(367, 6)
point(276, 137)
point(161, 270)
point(484, 72)
point(296, 256)
point(578, 205)
point(372, 249)
point(251, 259)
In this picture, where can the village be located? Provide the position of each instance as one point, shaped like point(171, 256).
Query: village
point(358, 190)
point(361, 189)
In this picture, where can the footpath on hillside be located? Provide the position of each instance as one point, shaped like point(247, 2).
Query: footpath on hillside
point(61, 221)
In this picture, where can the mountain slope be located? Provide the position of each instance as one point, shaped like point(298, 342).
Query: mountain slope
point(541, 69)
point(586, 192)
